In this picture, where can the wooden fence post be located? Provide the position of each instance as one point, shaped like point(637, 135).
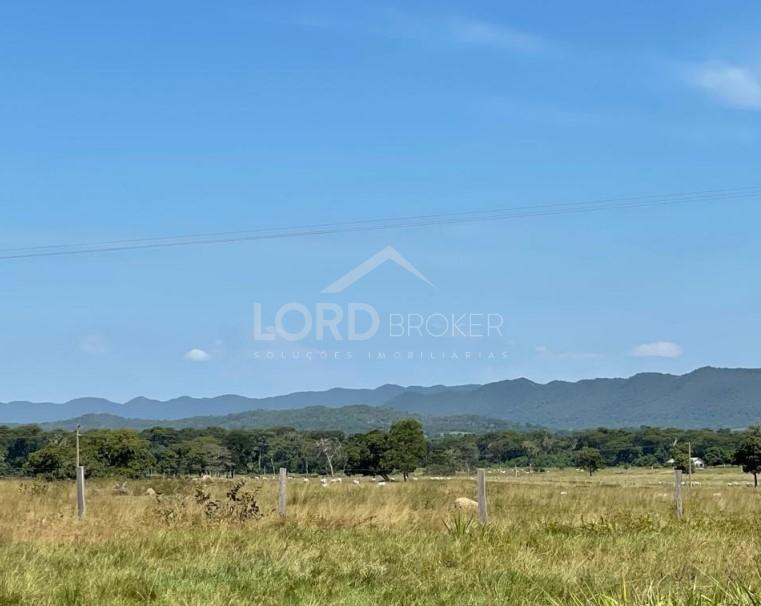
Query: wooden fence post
point(483, 515)
point(80, 491)
point(282, 491)
point(678, 503)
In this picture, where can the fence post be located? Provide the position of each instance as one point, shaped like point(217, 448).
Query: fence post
point(678, 503)
point(282, 491)
point(80, 491)
point(481, 482)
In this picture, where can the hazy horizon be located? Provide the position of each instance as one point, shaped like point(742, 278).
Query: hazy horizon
point(362, 387)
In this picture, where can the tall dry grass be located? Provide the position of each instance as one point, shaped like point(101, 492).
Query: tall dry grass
point(555, 538)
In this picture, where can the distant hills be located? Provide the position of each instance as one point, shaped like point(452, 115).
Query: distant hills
point(186, 406)
point(349, 419)
point(706, 397)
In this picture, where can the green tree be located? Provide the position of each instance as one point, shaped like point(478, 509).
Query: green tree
point(716, 456)
point(647, 460)
point(19, 443)
point(531, 448)
point(589, 459)
point(288, 449)
point(120, 452)
point(205, 454)
point(681, 455)
point(242, 447)
point(407, 446)
point(748, 453)
point(366, 454)
point(54, 461)
point(449, 454)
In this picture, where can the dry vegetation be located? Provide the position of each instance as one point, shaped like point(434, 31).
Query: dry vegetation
point(554, 538)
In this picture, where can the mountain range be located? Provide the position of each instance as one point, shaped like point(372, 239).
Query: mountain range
point(349, 419)
point(706, 397)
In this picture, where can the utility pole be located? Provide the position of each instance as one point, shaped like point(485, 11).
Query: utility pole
point(80, 483)
point(678, 502)
point(282, 491)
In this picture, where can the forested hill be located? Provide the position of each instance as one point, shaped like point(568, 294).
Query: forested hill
point(348, 419)
point(706, 397)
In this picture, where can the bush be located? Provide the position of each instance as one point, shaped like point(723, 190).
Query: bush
point(240, 505)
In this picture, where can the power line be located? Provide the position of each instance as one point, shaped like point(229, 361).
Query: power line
point(367, 225)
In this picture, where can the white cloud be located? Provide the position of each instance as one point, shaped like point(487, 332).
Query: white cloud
point(484, 33)
point(430, 30)
point(657, 349)
point(94, 344)
point(197, 355)
point(732, 84)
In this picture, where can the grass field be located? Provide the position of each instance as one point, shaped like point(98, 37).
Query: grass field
point(553, 538)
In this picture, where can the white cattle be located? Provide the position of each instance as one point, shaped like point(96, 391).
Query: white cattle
point(465, 504)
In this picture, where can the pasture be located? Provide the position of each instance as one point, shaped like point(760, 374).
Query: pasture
point(553, 538)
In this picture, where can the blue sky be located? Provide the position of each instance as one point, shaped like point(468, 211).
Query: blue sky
point(144, 120)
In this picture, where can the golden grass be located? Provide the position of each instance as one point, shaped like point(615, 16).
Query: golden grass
point(553, 538)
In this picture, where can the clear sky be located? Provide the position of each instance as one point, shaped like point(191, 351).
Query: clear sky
point(152, 119)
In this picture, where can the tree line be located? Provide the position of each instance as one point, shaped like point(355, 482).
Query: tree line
point(28, 450)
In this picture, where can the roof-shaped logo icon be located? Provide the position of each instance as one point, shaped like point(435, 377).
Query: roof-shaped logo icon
point(360, 271)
